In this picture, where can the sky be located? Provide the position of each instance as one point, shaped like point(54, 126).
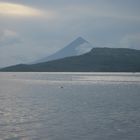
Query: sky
point(32, 29)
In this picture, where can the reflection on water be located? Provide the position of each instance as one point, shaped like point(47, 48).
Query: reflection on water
point(99, 106)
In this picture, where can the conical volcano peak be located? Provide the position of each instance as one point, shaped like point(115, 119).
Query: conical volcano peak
point(80, 40)
point(77, 47)
point(77, 42)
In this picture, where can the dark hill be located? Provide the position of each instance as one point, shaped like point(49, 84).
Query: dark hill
point(97, 60)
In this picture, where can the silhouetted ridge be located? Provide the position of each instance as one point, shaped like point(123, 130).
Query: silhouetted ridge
point(97, 60)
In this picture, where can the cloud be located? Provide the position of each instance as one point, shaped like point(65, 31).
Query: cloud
point(131, 41)
point(96, 11)
point(9, 37)
point(126, 9)
point(12, 9)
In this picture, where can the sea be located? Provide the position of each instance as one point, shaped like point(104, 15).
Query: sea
point(69, 106)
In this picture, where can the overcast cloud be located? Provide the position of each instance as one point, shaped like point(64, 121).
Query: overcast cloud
point(45, 26)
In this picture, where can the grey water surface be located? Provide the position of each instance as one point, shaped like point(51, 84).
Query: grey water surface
point(69, 106)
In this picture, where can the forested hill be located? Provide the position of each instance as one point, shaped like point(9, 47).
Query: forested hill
point(97, 60)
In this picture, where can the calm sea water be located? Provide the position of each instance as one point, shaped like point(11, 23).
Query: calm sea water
point(69, 106)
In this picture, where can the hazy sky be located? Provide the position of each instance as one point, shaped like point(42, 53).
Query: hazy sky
point(30, 29)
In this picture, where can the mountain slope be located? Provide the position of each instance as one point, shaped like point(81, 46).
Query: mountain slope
point(77, 47)
point(97, 60)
